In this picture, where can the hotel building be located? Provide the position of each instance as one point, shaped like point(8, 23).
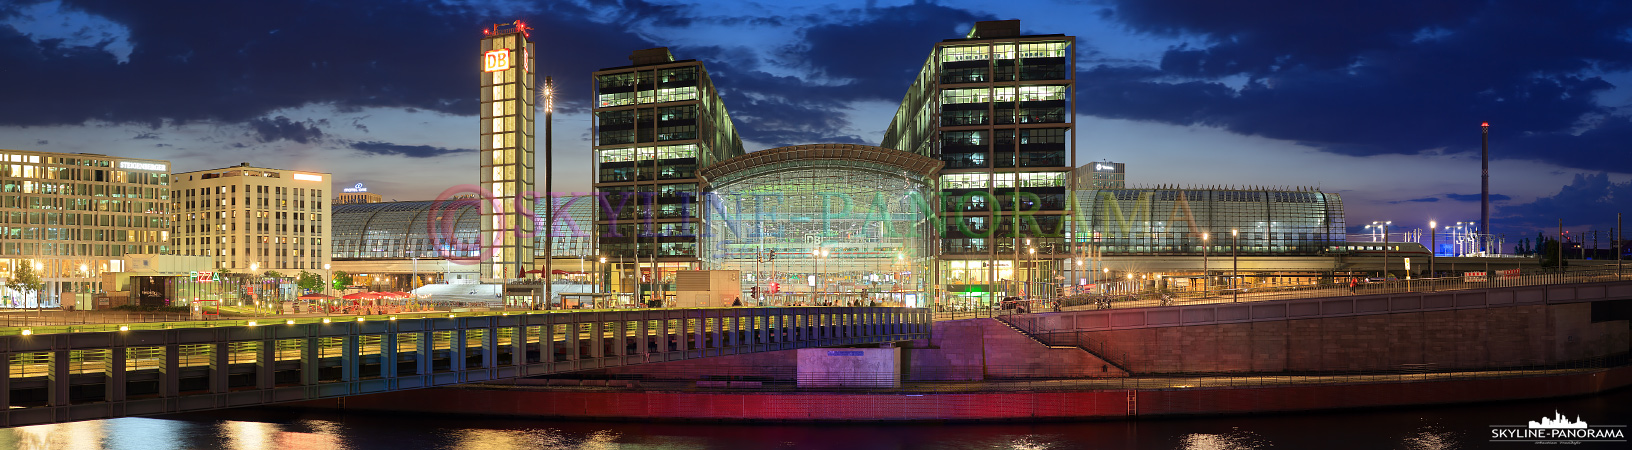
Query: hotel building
point(657, 122)
point(76, 215)
point(995, 107)
point(253, 219)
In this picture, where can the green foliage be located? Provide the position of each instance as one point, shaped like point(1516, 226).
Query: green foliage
point(273, 274)
point(23, 278)
point(1549, 254)
point(341, 279)
point(308, 281)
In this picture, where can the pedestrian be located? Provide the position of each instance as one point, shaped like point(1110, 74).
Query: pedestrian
point(1353, 282)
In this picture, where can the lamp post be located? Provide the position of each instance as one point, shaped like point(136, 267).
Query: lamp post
point(1235, 265)
point(818, 254)
point(596, 283)
point(1204, 276)
point(1433, 244)
point(1031, 271)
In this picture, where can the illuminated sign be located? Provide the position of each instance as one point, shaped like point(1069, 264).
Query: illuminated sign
point(526, 60)
point(496, 60)
point(206, 277)
point(357, 188)
point(1104, 167)
point(141, 165)
point(308, 177)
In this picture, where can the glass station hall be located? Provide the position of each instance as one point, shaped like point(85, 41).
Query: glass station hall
point(824, 224)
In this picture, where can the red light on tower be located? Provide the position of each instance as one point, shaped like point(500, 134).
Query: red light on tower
point(1484, 124)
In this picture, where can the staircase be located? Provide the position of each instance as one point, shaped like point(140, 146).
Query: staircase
point(1066, 339)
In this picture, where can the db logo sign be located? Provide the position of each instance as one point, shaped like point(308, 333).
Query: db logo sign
point(496, 60)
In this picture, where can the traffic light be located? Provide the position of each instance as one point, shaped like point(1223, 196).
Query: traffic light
point(755, 291)
point(772, 257)
point(776, 287)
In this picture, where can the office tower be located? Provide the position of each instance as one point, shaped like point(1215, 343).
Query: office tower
point(508, 92)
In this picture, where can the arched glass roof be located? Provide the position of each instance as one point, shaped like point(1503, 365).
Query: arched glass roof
point(396, 230)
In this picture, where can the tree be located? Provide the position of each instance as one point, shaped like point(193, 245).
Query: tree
point(23, 279)
point(1548, 254)
point(273, 274)
point(341, 279)
point(308, 282)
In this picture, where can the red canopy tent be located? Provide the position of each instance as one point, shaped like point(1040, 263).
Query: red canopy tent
point(315, 297)
point(360, 296)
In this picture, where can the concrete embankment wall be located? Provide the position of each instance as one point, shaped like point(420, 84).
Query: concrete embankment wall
point(976, 406)
point(958, 350)
point(1540, 325)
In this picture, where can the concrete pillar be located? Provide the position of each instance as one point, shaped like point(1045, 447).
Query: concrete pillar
point(310, 353)
point(266, 363)
point(57, 377)
point(350, 357)
point(5, 382)
point(456, 349)
point(597, 338)
point(620, 335)
point(170, 371)
point(220, 366)
point(717, 332)
point(388, 353)
point(659, 333)
point(490, 348)
point(546, 342)
point(763, 323)
point(730, 325)
point(572, 337)
point(423, 349)
point(115, 382)
point(518, 344)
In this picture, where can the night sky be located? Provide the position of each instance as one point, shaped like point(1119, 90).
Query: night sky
point(1378, 100)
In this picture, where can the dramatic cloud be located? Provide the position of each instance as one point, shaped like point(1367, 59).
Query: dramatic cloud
point(1590, 201)
point(282, 129)
point(232, 62)
point(1383, 77)
point(1416, 200)
point(411, 151)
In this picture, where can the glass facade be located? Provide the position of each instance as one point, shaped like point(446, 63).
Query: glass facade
point(656, 123)
point(826, 222)
point(995, 108)
point(403, 230)
point(75, 215)
point(1173, 221)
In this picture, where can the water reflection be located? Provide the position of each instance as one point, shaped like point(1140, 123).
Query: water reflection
point(1431, 437)
point(1435, 428)
point(1234, 440)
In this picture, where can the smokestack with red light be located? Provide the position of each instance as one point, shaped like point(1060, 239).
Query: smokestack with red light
point(1484, 185)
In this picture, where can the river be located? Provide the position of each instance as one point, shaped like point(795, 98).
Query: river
point(1438, 427)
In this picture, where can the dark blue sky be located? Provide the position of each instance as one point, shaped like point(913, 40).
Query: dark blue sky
point(1377, 100)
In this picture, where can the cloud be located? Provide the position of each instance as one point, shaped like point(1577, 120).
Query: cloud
point(1416, 200)
point(1387, 77)
point(1475, 197)
point(282, 129)
point(411, 151)
point(187, 64)
point(146, 135)
point(1590, 201)
point(41, 142)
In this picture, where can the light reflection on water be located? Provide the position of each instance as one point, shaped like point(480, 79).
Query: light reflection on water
point(1233, 440)
point(1438, 428)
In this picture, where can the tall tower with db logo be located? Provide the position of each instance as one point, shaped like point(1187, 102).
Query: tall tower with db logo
point(508, 93)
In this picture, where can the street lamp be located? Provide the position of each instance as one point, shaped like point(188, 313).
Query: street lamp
point(1383, 225)
point(596, 284)
point(1204, 272)
point(1433, 243)
point(818, 254)
point(1235, 265)
point(1031, 270)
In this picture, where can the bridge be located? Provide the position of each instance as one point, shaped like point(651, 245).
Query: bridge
point(87, 372)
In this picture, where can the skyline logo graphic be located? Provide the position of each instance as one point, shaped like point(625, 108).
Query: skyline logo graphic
point(1558, 429)
point(1558, 421)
